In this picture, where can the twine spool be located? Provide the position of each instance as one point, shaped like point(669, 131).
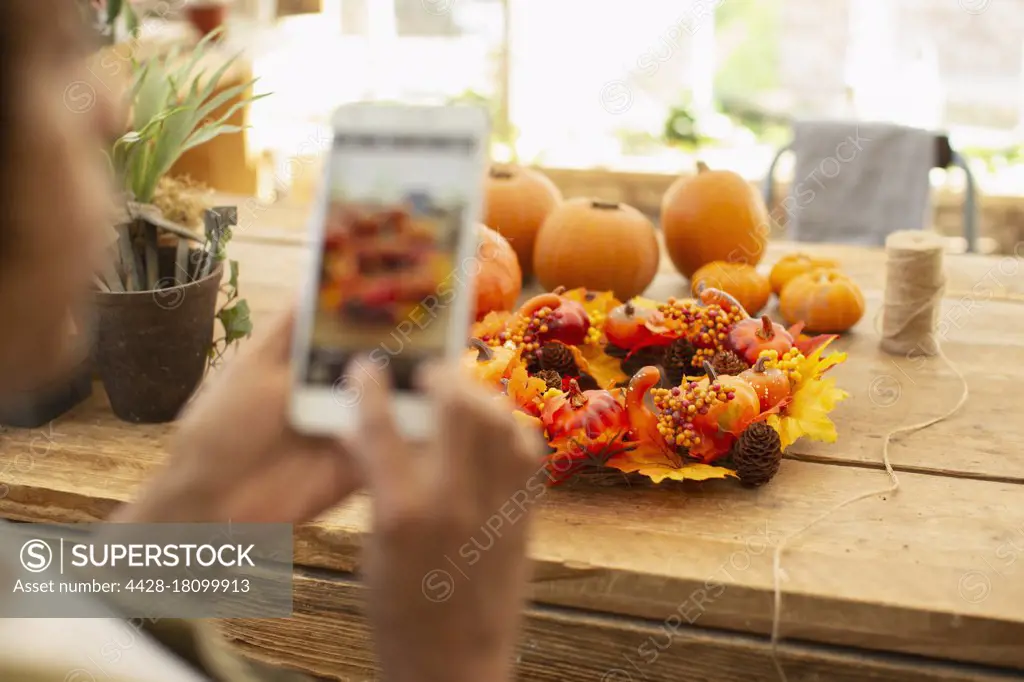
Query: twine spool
point(914, 284)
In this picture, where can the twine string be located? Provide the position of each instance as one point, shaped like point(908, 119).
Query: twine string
point(914, 286)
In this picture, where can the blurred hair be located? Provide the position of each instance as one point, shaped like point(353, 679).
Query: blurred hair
point(10, 56)
point(23, 29)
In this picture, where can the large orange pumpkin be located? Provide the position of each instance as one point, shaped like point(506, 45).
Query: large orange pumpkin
point(516, 202)
point(597, 245)
point(825, 300)
point(499, 281)
point(713, 215)
point(743, 281)
point(793, 265)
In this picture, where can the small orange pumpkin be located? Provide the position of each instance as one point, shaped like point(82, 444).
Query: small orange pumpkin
point(516, 202)
point(713, 215)
point(597, 245)
point(826, 300)
point(500, 281)
point(744, 282)
point(795, 264)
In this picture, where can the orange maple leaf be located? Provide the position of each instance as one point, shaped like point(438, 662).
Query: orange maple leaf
point(574, 453)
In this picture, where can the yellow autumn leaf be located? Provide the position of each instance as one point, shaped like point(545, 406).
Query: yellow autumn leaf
point(687, 472)
point(493, 324)
point(648, 303)
point(817, 363)
point(603, 367)
point(807, 413)
point(813, 398)
point(654, 464)
point(596, 303)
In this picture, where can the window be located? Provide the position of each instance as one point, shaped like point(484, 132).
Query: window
point(648, 85)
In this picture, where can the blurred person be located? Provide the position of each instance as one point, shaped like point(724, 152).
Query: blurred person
point(234, 455)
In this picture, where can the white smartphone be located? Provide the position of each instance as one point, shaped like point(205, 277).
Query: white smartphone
point(395, 238)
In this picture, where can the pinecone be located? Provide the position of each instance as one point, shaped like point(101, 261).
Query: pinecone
point(557, 356)
point(648, 355)
point(679, 361)
point(727, 362)
point(552, 378)
point(757, 454)
point(533, 362)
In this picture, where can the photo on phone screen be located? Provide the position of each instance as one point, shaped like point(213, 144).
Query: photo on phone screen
point(396, 209)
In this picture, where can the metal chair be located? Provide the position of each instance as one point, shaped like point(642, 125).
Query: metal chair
point(945, 156)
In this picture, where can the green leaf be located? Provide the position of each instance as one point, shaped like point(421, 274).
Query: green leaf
point(198, 52)
point(211, 85)
point(131, 19)
point(192, 98)
point(141, 72)
point(113, 10)
point(169, 147)
point(204, 135)
point(236, 321)
point(233, 279)
point(226, 116)
point(226, 95)
point(154, 96)
point(136, 175)
point(122, 148)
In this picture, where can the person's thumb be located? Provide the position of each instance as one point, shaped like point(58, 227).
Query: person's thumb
point(377, 444)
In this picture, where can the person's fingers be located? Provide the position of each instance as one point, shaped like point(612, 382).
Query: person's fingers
point(453, 457)
point(332, 472)
point(377, 445)
point(274, 343)
point(483, 442)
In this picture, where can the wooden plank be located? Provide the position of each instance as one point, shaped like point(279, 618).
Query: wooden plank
point(329, 637)
point(931, 570)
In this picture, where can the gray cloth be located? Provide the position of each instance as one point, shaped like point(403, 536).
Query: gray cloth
point(855, 183)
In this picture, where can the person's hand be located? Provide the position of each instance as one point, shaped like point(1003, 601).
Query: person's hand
point(446, 561)
point(234, 456)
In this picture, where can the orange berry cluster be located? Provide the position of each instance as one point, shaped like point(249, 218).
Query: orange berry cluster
point(701, 355)
point(526, 332)
point(705, 326)
point(679, 406)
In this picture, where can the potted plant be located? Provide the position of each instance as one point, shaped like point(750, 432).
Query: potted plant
point(156, 302)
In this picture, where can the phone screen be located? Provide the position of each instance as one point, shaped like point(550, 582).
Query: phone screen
point(388, 275)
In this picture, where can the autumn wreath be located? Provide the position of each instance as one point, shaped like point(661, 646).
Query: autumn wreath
point(681, 389)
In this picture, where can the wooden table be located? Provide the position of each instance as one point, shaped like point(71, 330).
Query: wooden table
point(675, 583)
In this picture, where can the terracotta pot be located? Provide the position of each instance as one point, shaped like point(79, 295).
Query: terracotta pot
point(152, 347)
point(207, 16)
